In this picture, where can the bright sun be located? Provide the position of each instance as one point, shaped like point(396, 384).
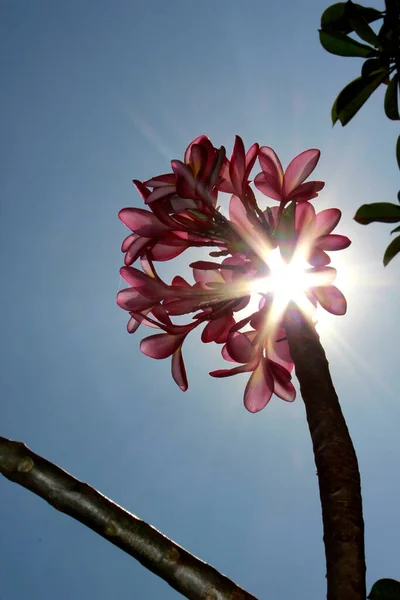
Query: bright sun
point(288, 282)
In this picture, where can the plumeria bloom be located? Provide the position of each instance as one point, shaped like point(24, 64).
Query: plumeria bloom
point(288, 185)
point(314, 230)
point(183, 212)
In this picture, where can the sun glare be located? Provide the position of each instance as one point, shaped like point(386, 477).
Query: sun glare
point(288, 281)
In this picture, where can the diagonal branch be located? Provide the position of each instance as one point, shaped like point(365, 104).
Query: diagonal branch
point(336, 462)
point(184, 572)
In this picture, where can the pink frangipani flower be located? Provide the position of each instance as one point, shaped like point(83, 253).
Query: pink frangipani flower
point(288, 185)
point(183, 212)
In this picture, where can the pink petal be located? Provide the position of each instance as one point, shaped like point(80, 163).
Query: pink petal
point(147, 286)
point(130, 299)
point(198, 160)
point(160, 180)
point(161, 345)
point(142, 189)
point(205, 265)
point(132, 325)
point(239, 347)
point(235, 371)
point(179, 205)
point(251, 157)
point(161, 314)
point(319, 258)
point(128, 241)
point(199, 140)
point(162, 252)
point(217, 329)
point(331, 299)
point(264, 185)
point(178, 369)
point(306, 191)
point(283, 387)
point(333, 242)
point(326, 221)
point(272, 168)
point(142, 222)
point(185, 179)
point(304, 217)
point(185, 305)
point(237, 164)
point(180, 282)
point(299, 169)
point(205, 277)
point(136, 249)
point(259, 388)
point(159, 193)
point(142, 318)
point(238, 215)
point(282, 350)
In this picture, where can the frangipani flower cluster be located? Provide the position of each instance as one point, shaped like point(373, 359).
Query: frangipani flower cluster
point(183, 212)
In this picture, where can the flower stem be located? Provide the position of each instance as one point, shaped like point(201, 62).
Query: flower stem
point(335, 459)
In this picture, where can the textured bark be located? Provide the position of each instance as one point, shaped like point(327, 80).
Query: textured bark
point(184, 572)
point(336, 462)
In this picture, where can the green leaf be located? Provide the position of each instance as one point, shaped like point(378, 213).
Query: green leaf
point(354, 95)
point(362, 29)
point(391, 99)
point(340, 44)
point(390, 252)
point(373, 65)
point(396, 230)
point(336, 16)
point(378, 212)
point(385, 589)
point(398, 153)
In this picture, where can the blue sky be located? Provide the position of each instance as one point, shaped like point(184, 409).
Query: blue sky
point(97, 93)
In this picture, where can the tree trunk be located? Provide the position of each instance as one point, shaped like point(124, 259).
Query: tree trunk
point(336, 462)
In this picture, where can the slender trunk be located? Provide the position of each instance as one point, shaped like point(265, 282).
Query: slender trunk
point(336, 462)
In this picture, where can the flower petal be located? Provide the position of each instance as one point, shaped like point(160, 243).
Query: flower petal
point(136, 249)
point(331, 299)
point(304, 217)
point(272, 169)
point(147, 286)
point(283, 387)
point(219, 373)
point(326, 221)
point(142, 222)
point(319, 258)
point(128, 241)
point(239, 347)
point(333, 242)
point(259, 388)
point(268, 187)
point(217, 329)
point(306, 191)
point(299, 169)
point(161, 345)
point(251, 157)
point(130, 299)
point(238, 215)
point(237, 165)
point(178, 369)
point(162, 252)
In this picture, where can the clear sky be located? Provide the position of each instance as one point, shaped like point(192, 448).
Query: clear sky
point(94, 94)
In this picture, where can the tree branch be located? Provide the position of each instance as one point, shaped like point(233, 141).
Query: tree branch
point(184, 572)
point(336, 461)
